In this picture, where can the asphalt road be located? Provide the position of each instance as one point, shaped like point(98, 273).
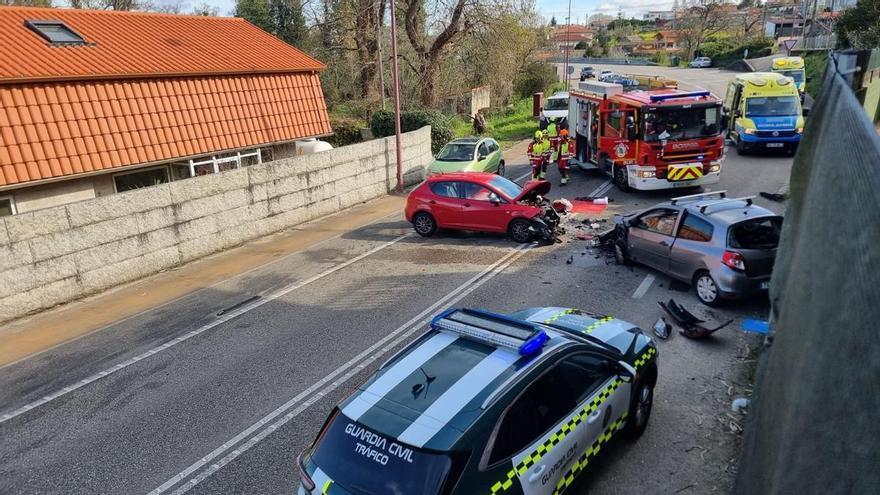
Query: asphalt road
point(226, 407)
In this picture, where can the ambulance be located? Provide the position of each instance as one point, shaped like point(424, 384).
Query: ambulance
point(762, 111)
point(792, 67)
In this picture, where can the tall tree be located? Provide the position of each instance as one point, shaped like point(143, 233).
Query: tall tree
point(432, 31)
point(288, 21)
point(256, 12)
point(368, 26)
point(859, 26)
point(27, 3)
point(700, 21)
point(553, 21)
point(206, 9)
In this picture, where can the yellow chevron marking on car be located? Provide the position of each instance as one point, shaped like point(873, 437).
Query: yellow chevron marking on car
point(326, 487)
point(684, 172)
point(644, 358)
point(588, 455)
point(547, 446)
point(560, 315)
point(598, 323)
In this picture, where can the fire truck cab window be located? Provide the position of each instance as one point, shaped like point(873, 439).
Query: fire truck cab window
point(682, 123)
point(613, 124)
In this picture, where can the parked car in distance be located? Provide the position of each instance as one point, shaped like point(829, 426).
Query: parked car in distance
point(700, 63)
point(482, 202)
point(587, 73)
point(469, 154)
point(488, 403)
point(724, 247)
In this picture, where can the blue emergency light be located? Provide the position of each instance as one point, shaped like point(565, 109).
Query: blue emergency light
point(491, 328)
point(672, 96)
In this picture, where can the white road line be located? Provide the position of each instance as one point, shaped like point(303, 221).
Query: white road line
point(320, 389)
point(523, 176)
point(602, 189)
point(182, 338)
point(644, 286)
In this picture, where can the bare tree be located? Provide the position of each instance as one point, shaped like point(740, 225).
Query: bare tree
point(447, 18)
point(700, 21)
point(27, 3)
point(368, 26)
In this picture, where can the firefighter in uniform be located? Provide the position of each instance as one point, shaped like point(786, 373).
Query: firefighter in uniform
point(548, 154)
point(536, 154)
point(565, 152)
point(552, 131)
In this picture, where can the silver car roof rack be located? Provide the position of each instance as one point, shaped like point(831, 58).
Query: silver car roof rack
point(747, 199)
point(723, 194)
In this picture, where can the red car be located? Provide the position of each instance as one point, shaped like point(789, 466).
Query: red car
point(482, 202)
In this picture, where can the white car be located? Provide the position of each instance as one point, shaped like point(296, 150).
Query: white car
point(605, 74)
point(701, 62)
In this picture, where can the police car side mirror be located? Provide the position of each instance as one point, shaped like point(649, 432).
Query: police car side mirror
point(626, 372)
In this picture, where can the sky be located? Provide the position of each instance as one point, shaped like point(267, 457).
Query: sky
point(580, 9)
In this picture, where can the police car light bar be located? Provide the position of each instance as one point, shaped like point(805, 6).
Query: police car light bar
point(494, 329)
point(672, 96)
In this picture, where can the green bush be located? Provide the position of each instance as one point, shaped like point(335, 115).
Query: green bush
point(724, 51)
point(442, 129)
point(534, 78)
point(345, 132)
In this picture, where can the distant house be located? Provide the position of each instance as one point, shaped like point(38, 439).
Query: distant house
point(98, 102)
point(661, 18)
point(666, 40)
point(563, 37)
point(778, 27)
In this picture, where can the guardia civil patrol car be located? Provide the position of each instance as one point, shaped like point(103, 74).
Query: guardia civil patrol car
point(485, 403)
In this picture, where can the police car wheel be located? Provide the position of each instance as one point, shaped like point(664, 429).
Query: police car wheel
point(424, 224)
point(640, 409)
point(520, 230)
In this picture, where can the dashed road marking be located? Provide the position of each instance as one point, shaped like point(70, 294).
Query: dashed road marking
point(643, 287)
point(204, 328)
point(271, 422)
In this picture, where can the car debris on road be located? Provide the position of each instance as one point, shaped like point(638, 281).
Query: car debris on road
point(691, 326)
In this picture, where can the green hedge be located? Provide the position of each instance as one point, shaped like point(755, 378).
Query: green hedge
point(725, 51)
point(441, 126)
point(346, 131)
point(535, 77)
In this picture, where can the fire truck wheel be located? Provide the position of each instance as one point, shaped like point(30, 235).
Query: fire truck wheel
point(620, 179)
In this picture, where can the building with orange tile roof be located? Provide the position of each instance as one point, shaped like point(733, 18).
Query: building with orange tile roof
point(97, 102)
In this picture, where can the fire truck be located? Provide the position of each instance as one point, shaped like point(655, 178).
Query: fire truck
point(648, 135)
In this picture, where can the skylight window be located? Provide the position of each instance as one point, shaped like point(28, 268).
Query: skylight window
point(56, 32)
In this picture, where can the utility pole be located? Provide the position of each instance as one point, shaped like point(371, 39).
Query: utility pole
point(567, 42)
point(395, 81)
point(379, 34)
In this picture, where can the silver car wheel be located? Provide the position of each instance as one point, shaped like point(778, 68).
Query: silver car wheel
point(423, 224)
point(706, 289)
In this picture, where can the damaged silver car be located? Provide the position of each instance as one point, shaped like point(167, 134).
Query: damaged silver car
point(724, 247)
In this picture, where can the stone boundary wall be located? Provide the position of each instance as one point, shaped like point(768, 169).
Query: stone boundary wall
point(59, 254)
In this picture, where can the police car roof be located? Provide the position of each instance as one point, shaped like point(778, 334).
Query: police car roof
point(430, 394)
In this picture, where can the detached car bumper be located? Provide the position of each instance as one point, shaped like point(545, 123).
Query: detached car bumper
point(738, 285)
point(654, 184)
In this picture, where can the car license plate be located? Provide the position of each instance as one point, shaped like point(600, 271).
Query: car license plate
point(682, 183)
point(775, 145)
point(765, 285)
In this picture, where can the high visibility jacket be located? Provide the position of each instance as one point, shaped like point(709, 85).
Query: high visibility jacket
point(552, 130)
point(566, 148)
point(537, 148)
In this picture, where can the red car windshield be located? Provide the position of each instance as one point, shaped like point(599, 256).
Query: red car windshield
point(506, 186)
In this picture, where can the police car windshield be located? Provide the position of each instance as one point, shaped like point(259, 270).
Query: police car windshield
point(556, 104)
point(772, 106)
point(681, 123)
point(457, 152)
point(366, 462)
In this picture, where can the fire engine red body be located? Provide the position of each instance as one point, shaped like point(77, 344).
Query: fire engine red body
point(647, 139)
